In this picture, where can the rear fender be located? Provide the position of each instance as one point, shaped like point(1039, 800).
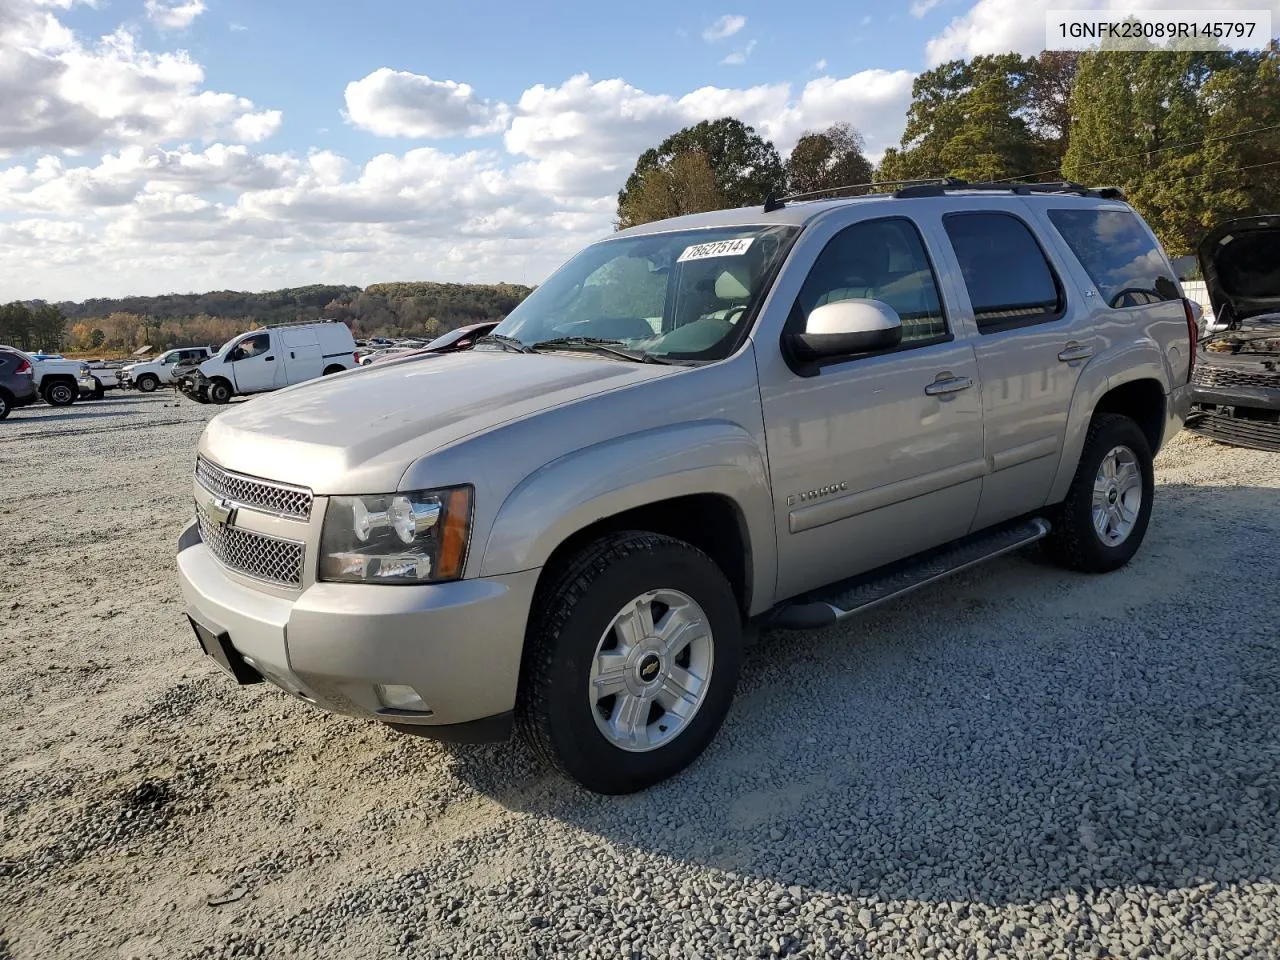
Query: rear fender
point(1138, 360)
point(597, 482)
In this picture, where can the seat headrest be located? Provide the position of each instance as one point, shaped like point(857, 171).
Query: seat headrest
point(734, 282)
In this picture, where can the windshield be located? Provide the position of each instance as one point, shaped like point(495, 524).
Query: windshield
point(672, 296)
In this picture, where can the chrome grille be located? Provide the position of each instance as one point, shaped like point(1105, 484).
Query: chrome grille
point(265, 495)
point(254, 554)
point(1207, 375)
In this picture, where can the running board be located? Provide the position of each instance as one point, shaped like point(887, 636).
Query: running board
point(823, 607)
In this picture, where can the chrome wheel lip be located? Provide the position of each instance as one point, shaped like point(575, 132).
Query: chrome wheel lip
point(639, 662)
point(1117, 496)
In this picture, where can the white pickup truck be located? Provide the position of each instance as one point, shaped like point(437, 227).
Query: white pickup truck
point(148, 375)
point(59, 381)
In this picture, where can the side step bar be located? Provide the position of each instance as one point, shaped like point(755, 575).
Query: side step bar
point(825, 606)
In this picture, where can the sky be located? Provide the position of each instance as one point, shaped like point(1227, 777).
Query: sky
point(161, 146)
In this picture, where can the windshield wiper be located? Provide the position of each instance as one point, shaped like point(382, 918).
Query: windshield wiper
point(507, 343)
point(611, 347)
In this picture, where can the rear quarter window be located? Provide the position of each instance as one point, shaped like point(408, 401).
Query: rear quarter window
point(1118, 254)
point(1009, 280)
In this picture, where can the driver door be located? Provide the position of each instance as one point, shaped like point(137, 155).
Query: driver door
point(876, 456)
point(254, 364)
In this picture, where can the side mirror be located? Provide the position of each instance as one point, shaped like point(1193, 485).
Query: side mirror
point(847, 327)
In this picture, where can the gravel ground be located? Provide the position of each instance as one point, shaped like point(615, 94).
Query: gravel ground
point(1017, 762)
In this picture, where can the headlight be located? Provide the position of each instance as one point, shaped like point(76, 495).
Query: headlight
point(418, 537)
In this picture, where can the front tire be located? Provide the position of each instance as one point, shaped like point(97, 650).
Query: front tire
point(220, 391)
point(61, 393)
point(633, 655)
point(1101, 524)
point(148, 383)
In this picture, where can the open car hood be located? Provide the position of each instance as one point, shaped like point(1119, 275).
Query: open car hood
point(1240, 260)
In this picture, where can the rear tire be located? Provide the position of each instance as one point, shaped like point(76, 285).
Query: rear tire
point(148, 383)
point(1101, 524)
point(333, 368)
point(6, 405)
point(61, 393)
point(220, 391)
point(99, 391)
point(651, 617)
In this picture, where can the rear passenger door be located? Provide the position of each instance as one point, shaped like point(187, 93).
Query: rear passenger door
point(875, 456)
point(1034, 335)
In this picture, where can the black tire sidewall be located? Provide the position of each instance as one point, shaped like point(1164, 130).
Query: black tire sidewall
point(580, 747)
point(54, 390)
point(1117, 431)
point(5, 406)
point(219, 392)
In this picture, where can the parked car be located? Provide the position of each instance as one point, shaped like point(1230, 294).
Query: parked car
point(269, 359)
point(463, 338)
point(103, 376)
point(1236, 387)
point(58, 381)
point(17, 381)
point(149, 375)
point(784, 416)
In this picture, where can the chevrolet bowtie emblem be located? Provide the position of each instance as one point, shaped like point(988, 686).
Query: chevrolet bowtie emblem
point(223, 511)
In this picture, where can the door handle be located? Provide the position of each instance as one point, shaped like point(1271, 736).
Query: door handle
point(291, 356)
point(1075, 351)
point(268, 358)
point(945, 386)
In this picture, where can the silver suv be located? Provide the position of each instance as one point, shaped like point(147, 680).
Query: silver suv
point(693, 429)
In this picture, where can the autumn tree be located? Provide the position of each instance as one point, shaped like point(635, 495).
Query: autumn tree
point(709, 166)
point(1178, 131)
point(827, 159)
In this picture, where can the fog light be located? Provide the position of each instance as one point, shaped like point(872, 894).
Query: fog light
point(396, 696)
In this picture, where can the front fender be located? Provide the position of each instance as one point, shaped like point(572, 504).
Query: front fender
point(1140, 360)
point(597, 482)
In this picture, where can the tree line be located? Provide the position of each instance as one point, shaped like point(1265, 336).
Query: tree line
point(1193, 138)
point(116, 325)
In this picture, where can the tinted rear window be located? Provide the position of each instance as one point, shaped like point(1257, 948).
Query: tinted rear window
point(1009, 281)
point(1118, 254)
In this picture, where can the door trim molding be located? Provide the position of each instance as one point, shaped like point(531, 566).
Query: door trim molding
point(829, 511)
point(1004, 459)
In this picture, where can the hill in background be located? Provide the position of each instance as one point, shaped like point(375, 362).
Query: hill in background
point(383, 309)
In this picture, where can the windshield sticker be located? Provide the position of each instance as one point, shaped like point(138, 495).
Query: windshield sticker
point(721, 248)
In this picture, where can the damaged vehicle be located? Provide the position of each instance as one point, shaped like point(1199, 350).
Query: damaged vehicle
point(1236, 385)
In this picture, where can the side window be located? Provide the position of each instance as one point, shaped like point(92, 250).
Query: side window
point(1010, 282)
point(879, 260)
point(252, 347)
point(1118, 254)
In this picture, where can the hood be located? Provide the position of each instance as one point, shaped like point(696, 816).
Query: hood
point(357, 432)
point(1240, 260)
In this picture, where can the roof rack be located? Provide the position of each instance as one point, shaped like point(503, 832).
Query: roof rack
point(774, 202)
point(1018, 189)
point(297, 323)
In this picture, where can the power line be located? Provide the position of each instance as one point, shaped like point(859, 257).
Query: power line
point(1213, 173)
point(1146, 153)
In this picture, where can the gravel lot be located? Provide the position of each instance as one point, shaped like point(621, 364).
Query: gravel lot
point(1016, 762)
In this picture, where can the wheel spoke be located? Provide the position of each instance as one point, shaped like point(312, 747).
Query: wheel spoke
point(678, 629)
point(630, 719)
point(611, 673)
point(679, 691)
point(634, 623)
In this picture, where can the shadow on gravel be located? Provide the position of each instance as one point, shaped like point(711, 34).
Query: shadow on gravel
point(1004, 737)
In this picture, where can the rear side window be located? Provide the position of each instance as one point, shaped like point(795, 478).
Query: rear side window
point(1010, 282)
point(1118, 254)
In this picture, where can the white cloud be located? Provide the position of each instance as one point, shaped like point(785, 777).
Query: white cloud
point(739, 57)
point(922, 7)
point(238, 28)
point(63, 95)
point(393, 103)
point(820, 65)
point(999, 26)
point(173, 16)
point(724, 28)
point(134, 178)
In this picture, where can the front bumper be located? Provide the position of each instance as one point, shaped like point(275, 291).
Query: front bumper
point(458, 645)
point(1242, 416)
point(87, 384)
